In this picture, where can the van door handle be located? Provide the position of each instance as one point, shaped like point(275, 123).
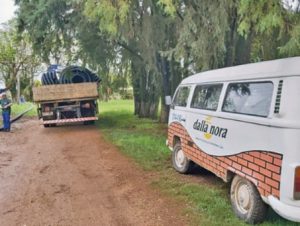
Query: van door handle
point(183, 120)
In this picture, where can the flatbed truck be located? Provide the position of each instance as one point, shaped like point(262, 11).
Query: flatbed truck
point(67, 103)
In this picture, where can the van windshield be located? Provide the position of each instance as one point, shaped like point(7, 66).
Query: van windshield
point(181, 96)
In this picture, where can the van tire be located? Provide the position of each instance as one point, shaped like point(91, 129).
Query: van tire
point(179, 161)
point(246, 201)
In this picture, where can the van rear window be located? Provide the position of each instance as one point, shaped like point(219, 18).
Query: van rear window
point(251, 98)
point(181, 97)
point(206, 97)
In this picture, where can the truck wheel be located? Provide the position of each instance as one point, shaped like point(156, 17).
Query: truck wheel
point(179, 161)
point(89, 123)
point(246, 201)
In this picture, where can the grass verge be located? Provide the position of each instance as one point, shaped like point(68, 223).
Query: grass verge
point(17, 109)
point(20, 108)
point(144, 141)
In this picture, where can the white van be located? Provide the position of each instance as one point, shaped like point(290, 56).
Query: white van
point(243, 124)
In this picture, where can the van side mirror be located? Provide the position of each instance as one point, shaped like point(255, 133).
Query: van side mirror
point(168, 100)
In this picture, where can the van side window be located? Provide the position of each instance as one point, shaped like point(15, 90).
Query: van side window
point(181, 97)
point(206, 97)
point(251, 98)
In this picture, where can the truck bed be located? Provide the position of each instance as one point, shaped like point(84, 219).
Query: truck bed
point(65, 92)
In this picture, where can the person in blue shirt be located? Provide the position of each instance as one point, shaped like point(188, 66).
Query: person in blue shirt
point(5, 104)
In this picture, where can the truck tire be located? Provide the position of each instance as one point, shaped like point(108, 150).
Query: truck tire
point(92, 122)
point(89, 123)
point(179, 161)
point(246, 201)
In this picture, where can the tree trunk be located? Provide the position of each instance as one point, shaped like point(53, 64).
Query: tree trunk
point(243, 50)
point(165, 69)
point(153, 110)
point(145, 91)
point(136, 88)
point(18, 88)
point(231, 41)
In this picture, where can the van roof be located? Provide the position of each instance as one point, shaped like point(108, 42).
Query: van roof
point(267, 69)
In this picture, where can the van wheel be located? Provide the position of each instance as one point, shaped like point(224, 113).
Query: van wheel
point(246, 201)
point(179, 161)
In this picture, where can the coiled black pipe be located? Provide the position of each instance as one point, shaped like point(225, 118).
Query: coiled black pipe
point(49, 78)
point(71, 74)
point(75, 74)
point(54, 77)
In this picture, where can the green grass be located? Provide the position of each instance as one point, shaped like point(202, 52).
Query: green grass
point(144, 141)
point(20, 108)
point(209, 204)
point(140, 139)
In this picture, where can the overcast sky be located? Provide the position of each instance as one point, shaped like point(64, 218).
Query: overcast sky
point(6, 10)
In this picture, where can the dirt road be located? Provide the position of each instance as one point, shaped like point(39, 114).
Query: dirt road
point(71, 176)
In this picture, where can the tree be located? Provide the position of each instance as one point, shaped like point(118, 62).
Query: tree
point(61, 34)
point(50, 26)
point(129, 27)
point(274, 26)
point(159, 42)
point(17, 61)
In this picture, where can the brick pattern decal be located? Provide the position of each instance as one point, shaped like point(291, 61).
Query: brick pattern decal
point(261, 167)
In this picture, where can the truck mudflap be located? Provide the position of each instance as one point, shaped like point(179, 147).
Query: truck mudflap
point(70, 120)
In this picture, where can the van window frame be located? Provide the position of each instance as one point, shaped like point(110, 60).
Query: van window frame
point(176, 93)
point(250, 82)
point(205, 85)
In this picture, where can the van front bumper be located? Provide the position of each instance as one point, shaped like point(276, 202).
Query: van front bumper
point(289, 212)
